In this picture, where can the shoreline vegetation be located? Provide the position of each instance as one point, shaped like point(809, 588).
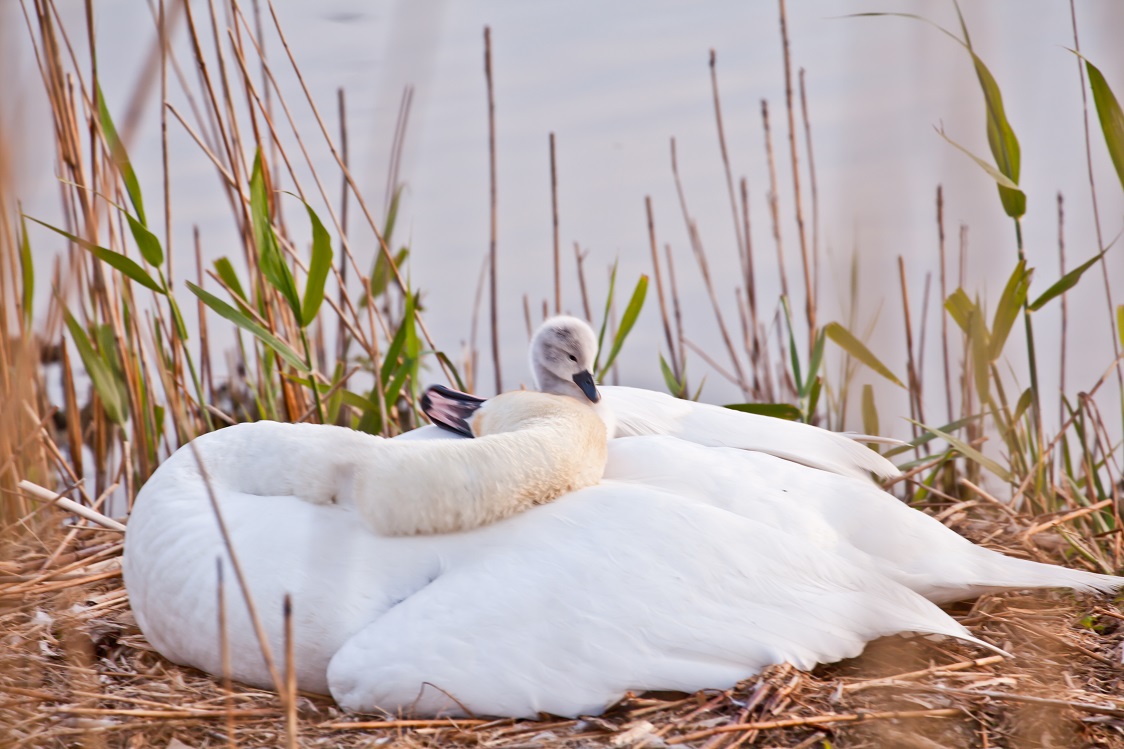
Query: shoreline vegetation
point(324, 338)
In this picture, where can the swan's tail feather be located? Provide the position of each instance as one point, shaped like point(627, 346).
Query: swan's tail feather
point(1023, 573)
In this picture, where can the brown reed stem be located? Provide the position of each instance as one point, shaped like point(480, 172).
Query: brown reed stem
point(652, 245)
point(809, 294)
point(812, 182)
point(1114, 333)
point(726, 161)
point(554, 222)
point(493, 296)
point(774, 198)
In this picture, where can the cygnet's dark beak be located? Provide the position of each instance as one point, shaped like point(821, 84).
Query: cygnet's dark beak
point(450, 409)
point(584, 380)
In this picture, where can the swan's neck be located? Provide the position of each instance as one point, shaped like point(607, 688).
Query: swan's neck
point(548, 382)
point(413, 488)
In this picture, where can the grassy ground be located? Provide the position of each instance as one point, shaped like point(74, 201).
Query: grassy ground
point(320, 338)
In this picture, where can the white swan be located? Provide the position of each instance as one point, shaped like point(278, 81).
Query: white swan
point(614, 587)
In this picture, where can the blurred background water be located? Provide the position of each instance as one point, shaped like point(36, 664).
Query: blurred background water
point(615, 82)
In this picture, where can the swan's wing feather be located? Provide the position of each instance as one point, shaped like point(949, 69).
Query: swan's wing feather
point(647, 412)
point(618, 588)
point(846, 516)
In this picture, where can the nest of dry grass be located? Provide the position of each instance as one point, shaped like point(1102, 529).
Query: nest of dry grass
point(76, 671)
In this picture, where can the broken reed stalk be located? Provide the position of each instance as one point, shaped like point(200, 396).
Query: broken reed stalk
point(224, 652)
point(290, 694)
point(45, 495)
point(493, 295)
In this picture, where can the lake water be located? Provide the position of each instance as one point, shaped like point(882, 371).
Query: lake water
point(615, 82)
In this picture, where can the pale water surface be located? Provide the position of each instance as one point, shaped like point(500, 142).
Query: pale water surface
point(614, 82)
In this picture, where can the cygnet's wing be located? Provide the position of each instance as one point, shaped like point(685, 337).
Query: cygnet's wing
point(617, 588)
point(647, 412)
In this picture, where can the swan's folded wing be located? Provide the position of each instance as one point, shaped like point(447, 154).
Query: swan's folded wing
point(611, 589)
point(647, 412)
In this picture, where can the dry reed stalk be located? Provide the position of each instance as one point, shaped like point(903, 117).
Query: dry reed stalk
point(45, 495)
point(1064, 299)
point(944, 296)
point(741, 238)
point(493, 298)
point(255, 620)
point(774, 200)
point(289, 697)
point(809, 292)
point(914, 384)
point(673, 357)
point(554, 225)
point(704, 268)
point(579, 259)
point(1114, 333)
point(676, 311)
point(933, 670)
point(814, 187)
point(817, 720)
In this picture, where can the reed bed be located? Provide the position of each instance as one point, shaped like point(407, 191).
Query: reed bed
point(106, 377)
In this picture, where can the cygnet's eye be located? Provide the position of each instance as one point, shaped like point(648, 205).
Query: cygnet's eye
point(573, 358)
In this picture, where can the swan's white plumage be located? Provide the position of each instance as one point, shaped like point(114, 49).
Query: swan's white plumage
point(562, 609)
point(700, 559)
point(844, 515)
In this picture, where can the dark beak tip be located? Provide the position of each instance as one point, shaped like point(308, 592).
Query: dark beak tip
point(584, 380)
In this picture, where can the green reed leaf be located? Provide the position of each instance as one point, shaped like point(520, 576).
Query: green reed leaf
point(126, 265)
point(147, 242)
point(785, 411)
point(1007, 311)
point(318, 266)
point(1065, 283)
point(101, 374)
point(243, 321)
point(1110, 116)
point(853, 346)
point(27, 272)
point(120, 158)
point(273, 265)
point(628, 319)
point(870, 411)
point(225, 270)
point(968, 451)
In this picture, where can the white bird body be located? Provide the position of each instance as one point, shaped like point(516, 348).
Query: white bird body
point(699, 559)
point(560, 609)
